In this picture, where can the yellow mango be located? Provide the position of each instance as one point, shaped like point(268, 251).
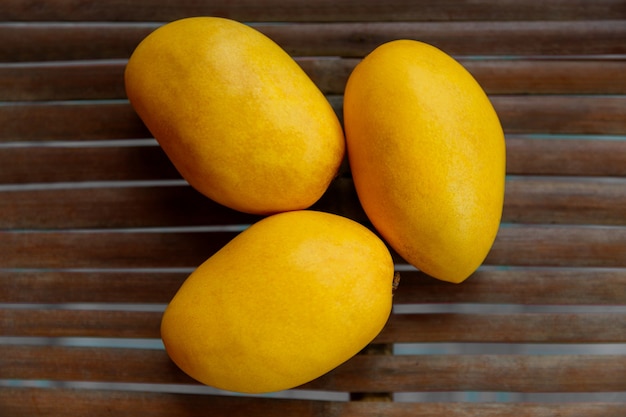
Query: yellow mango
point(427, 154)
point(288, 299)
point(235, 114)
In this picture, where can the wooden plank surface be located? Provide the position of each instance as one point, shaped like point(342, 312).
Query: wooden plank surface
point(524, 286)
point(524, 245)
point(104, 79)
point(577, 155)
point(322, 10)
point(118, 120)
point(100, 403)
point(116, 40)
point(401, 328)
point(362, 373)
point(560, 200)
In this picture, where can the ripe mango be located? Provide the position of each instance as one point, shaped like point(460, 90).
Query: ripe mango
point(285, 301)
point(235, 114)
point(427, 155)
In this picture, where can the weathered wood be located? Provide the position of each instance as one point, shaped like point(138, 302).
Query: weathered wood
point(565, 200)
point(401, 328)
point(523, 245)
point(118, 120)
point(527, 286)
point(115, 207)
point(515, 373)
point(599, 201)
point(362, 373)
point(321, 10)
point(526, 155)
point(73, 80)
point(99, 403)
point(574, 155)
point(63, 41)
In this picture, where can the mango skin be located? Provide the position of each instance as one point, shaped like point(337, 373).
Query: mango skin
point(427, 155)
point(287, 300)
point(235, 114)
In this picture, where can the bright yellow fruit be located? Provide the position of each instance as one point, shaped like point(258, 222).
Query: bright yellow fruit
point(235, 114)
point(287, 300)
point(427, 155)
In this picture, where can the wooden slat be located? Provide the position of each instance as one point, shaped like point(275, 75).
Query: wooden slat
point(90, 121)
point(505, 328)
point(526, 155)
point(401, 328)
point(363, 373)
point(565, 200)
point(565, 156)
point(103, 79)
point(34, 164)
point(529, 286)
point(91, 286)
point(28, 121)
point(517, 373)
point(114, 207)
point(567, 246)
point(325, 10)
point(562, 200)
point(95, 403)
point(62, 41)
point(543, 245)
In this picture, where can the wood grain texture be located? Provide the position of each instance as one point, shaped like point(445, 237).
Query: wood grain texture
point(401, 328)
point(539, 200)
point(104, 79)
point(97, 403)
point(44, 121)
point(362, 373)
point(321, 10)
point(526, 155)
point(85, 41)
point(524, 245)
point(524, 286)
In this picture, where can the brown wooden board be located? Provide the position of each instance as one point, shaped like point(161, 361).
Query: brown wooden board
point(104, 40)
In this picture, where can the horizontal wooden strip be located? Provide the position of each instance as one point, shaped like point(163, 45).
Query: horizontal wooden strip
point(564, 200)
point(115, 207)
point(529, 286)
point(401, 328)
point(95, 403)
point(565, 156)
point(558, 286)
point(70, 121)
point(567, 246)
point(75, 80)
point(504, 328)
point(542, 245)
point(582, 156)
point(363, 373)
point(293, 10)
point(118, 120)
point(62, 41)
point(517, 373)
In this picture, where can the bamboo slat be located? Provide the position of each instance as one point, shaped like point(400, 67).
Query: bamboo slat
point(324, 10)
point(101, 403)
point(401, 328)
point(524, 286)
point(362, 373)
point(116, 40)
